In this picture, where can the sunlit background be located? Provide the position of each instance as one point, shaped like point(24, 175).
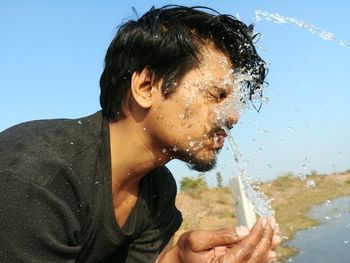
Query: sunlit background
point(52, 52)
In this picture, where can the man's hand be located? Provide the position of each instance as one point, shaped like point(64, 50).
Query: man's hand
point(231, 245)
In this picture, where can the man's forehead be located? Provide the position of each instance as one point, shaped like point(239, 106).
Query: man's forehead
point(220, 74)
point(215, 58)
point(214, 61)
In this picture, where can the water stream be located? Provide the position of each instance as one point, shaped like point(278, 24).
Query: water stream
point(279, 19)
point(261, 203)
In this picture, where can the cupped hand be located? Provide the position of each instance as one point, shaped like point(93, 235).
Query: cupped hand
point(230, 245)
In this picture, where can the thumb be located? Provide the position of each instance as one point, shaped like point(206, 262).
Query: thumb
point(199, 240)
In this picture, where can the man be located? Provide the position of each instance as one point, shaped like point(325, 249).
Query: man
point(96, 189)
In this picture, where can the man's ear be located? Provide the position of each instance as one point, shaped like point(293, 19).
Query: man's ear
point(143, 87)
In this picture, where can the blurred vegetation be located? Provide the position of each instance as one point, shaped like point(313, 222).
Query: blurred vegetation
point(219, 179)
point(193, 186)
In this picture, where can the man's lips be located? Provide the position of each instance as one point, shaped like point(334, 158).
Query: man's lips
point(221, 133)
point(220, 141)
point(219, 138)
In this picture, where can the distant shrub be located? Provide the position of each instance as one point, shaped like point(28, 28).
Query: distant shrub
point(219, 179)
point(193, 185)
point(287, 174)
point(313, 173)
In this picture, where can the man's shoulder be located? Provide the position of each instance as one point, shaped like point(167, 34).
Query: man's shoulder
point(50, 128)
point(162, 183)
point(36, 150)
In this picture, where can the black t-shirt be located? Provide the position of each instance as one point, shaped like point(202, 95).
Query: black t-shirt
point(56, 201)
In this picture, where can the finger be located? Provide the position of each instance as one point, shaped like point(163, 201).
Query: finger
point(245, 248)
point(262, 250)
point(272, 255)
point(276, 240)
point(219, 251)
point(200, 240)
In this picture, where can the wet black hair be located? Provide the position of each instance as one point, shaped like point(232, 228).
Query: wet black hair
point(167, 41)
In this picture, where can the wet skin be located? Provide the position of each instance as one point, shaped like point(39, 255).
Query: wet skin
point(186, 125)
point(230, 245)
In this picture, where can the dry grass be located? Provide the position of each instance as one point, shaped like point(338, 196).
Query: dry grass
point(212, 209)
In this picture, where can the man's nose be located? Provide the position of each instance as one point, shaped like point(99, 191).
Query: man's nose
point(233, 118)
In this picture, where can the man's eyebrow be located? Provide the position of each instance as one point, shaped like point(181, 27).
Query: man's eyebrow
point(224, 87)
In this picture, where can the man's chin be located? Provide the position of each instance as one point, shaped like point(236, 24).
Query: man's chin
point(198, 162)
point(201, 165)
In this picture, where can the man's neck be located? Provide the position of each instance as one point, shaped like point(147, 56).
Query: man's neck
point(131, 158)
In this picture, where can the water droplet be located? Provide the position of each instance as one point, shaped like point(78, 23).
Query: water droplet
point(304, 166)
point(302, 176)
point(175, 148)
point(192, 143)
point(310, 184)
point(338, 215)
point(164, 150)
point(97, 182)
point(281, 141)
point(269, 165)
point(160, 159)
point(72, 143)
point(145, 129)
point(346, 241)
point(182, 116)
point(79, 121)
point(328, 202)
point(327, 217)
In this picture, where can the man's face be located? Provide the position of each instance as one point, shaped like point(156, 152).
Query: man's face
point(192, 123)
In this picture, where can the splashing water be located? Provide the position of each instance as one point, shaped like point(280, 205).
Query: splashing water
point(279, 19)
point(235, 104)
point(311, 184)
point(262, 204)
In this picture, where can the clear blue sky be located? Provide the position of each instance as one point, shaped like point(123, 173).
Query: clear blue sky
point(51, 58)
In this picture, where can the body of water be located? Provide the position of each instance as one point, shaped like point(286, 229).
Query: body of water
point(328, 242)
